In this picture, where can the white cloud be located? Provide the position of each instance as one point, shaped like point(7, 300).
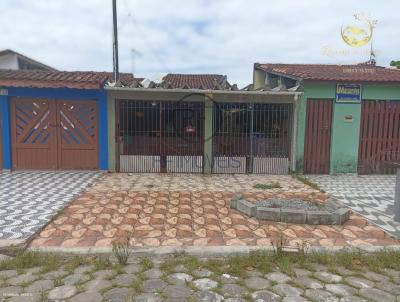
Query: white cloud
point(198, 36)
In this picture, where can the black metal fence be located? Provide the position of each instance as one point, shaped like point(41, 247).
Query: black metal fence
point(160, 136)
point(252, 138)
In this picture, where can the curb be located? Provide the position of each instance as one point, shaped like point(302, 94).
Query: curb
point(4, 243)
point(200, 251)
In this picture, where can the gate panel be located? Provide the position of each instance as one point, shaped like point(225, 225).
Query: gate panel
point(379, 136)
point(317, 143)
point(78, 143)
point(161, 136)
point(252, 138)
point(34, 135)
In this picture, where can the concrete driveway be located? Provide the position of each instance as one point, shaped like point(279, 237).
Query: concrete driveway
point(372, 196)
point(29, 199)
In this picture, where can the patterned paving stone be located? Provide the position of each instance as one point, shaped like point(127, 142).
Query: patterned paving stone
point(29, 199)
point(62, 292)
point(341, 289)
point(177, 291)
point(202, 273)
point(294, 299)
point(10, 291)
point(207, 296)
point(353, 299)
point(233, 290)
point(21, 279)
point(104, 274)
point(26, 297)
point(54, 275)
point(75, 278)
point(265, 295)
point(199, 215)
point(278, 277)
point(124, 279)
point(119, 295)
point(39, 286)
point(376, 295)
point(359, 282)
point(153, 273)
point(147, 297)
point(87, 297)
point(8, 274)
point(287, 290)
point(205, 284)
point(389, 287)
point(257, 283)
point(179, 278)
point(153, 285)
point(328, 277)
point(372, 196)
point(97, 285)
point(308, 282)
point(319, 295)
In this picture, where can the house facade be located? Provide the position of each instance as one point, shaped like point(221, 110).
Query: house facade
point(53, 120)
point(355, 135)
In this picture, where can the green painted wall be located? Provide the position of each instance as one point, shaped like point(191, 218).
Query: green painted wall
point(345, 134)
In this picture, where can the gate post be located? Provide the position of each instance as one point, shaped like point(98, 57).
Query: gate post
point(208, 160)
point(5, 134)
point(112, 159)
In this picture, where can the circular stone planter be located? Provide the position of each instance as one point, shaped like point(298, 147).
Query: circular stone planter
point(293, 211)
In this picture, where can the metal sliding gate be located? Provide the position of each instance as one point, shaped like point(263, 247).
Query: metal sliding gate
point(252, 138)
point(160, 136)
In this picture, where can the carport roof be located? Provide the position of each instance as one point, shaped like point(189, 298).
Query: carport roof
point(330, 72)
point(59, 79)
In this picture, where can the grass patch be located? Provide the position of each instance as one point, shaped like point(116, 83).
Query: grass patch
point(269, 186)
point(191, 263)
point(307, 182)
point(146, 263)
point(30, 259)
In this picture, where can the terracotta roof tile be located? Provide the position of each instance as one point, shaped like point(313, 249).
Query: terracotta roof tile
point(321, 72)
point(194, 81)
point(59, 79)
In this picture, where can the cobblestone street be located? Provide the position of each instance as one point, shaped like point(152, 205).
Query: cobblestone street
point(186, 279)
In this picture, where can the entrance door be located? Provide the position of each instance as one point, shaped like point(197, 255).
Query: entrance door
point(34, 135)
point(48, 134)
point(379, 136)
point(317, 145)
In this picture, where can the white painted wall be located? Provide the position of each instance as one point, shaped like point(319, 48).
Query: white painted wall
point(8, 61)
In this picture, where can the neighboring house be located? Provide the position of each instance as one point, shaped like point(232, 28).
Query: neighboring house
point(189, 81)
point(10, 59)
point(53, 119)
point(348, 118)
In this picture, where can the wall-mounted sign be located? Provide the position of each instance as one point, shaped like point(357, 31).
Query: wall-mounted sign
point(348, 93)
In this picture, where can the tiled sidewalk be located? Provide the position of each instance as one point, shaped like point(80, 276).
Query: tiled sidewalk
point(371, 196)
point(28, 199)
point(198, 214)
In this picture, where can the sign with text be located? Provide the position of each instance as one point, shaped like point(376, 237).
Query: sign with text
point(348, 93)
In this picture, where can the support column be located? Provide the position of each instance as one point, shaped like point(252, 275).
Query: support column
point(112, 163)
point(5, 131)
point(103, 137)
point(208, 134)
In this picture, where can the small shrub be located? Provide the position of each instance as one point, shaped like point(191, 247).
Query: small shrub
point(121, 250)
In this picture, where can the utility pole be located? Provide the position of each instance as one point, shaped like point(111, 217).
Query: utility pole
point(115, 44)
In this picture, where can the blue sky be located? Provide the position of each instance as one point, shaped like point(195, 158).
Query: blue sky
point(194, 36)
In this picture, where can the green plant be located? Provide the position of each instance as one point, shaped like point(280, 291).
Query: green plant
point(146, 263)
point(307, 182)
point(121, 250)
point(269, 186)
